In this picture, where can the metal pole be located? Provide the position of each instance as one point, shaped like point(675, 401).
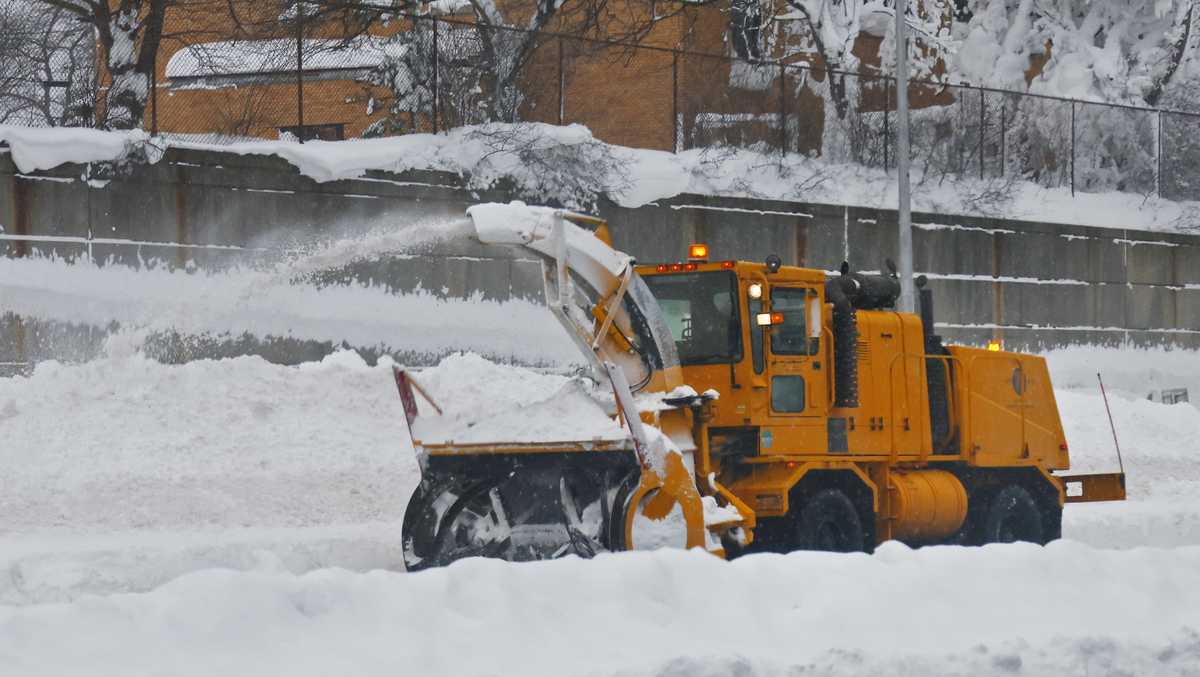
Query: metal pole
point(982, 127)
point(887, 109)
point(437, 62)
point(561, 86)
point(1072, 149)
point(907, 301)
point(1158, 149)
point(153, 98)
point(1111, 425)
point(783, 146)
point(675, 140)
point(1003, 125)
point(300, 72)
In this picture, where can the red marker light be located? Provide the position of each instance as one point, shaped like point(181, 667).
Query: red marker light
point(662, 268)
point(776, 318)
point(691, 266)
point(728, 264)
point(676, 267)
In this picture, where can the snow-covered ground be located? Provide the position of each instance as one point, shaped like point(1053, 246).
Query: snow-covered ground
point(242, 516)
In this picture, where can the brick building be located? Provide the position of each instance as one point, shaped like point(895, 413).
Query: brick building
point(236, 75)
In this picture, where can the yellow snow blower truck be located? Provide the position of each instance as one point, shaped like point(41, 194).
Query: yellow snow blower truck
point(762, 407)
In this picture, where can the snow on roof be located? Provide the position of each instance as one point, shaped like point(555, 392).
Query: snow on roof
point(243, 57)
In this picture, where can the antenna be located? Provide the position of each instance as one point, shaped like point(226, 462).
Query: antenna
point(1117, 444)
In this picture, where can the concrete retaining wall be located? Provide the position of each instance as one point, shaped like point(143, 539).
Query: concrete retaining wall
point(1035, 285)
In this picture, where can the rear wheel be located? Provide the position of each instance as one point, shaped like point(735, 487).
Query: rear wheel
point(1012, 515)
point(829, 521)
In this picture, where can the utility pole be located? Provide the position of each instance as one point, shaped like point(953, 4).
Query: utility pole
point(907, 301)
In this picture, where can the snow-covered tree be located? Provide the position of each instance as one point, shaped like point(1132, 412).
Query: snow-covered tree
point(1126, 51)
point(46, 67)
point(128, 33)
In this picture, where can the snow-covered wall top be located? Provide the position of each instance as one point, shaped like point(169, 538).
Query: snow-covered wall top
point(567, 165)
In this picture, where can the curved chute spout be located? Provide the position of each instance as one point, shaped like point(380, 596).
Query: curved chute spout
point(592, 289)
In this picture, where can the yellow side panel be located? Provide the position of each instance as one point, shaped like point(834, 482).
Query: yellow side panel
point(893, 411)
point(1009, 406)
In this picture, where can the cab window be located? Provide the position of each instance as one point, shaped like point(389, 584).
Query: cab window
point(791, 337)
point(701, 310)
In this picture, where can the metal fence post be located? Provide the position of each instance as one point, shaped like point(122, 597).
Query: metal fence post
point(561, 84)
point(1003, 129)
point(887, 107)
point(1158, 150)
point(676, 141)
point(154, 98)
point(437, 62)
point(783, 144)
point(1072, 149)
point(300, 72)
point(982, 127)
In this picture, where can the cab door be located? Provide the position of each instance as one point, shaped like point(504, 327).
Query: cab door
point(798, 398)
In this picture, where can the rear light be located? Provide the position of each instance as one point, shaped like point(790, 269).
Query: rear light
point(1062, 446)
point(776, 318)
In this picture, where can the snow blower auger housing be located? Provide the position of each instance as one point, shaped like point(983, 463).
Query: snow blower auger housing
point(762, 407)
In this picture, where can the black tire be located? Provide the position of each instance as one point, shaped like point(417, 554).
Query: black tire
point(1052, 514)
point(829, 521)
point(1012, 515)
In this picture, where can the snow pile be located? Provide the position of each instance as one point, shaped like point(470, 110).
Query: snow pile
point(568, 165)
point(485, 402)
point(130, 443)
point(122, 474)
point(1133, 372)
point(36, 149)
point(998, 610)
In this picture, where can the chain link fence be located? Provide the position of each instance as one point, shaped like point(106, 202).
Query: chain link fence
point(426, 75)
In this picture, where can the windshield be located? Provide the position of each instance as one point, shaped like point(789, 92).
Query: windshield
point(701, 312)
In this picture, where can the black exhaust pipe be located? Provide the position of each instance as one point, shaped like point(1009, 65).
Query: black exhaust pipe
point(850, 293)
point(845, 341)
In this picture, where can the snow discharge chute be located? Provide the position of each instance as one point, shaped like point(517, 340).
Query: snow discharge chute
point(520, 497)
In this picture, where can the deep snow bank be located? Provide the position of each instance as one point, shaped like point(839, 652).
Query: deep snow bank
point(123, 473)
point(568, 165)
point(998, 610)
point(128, 443)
